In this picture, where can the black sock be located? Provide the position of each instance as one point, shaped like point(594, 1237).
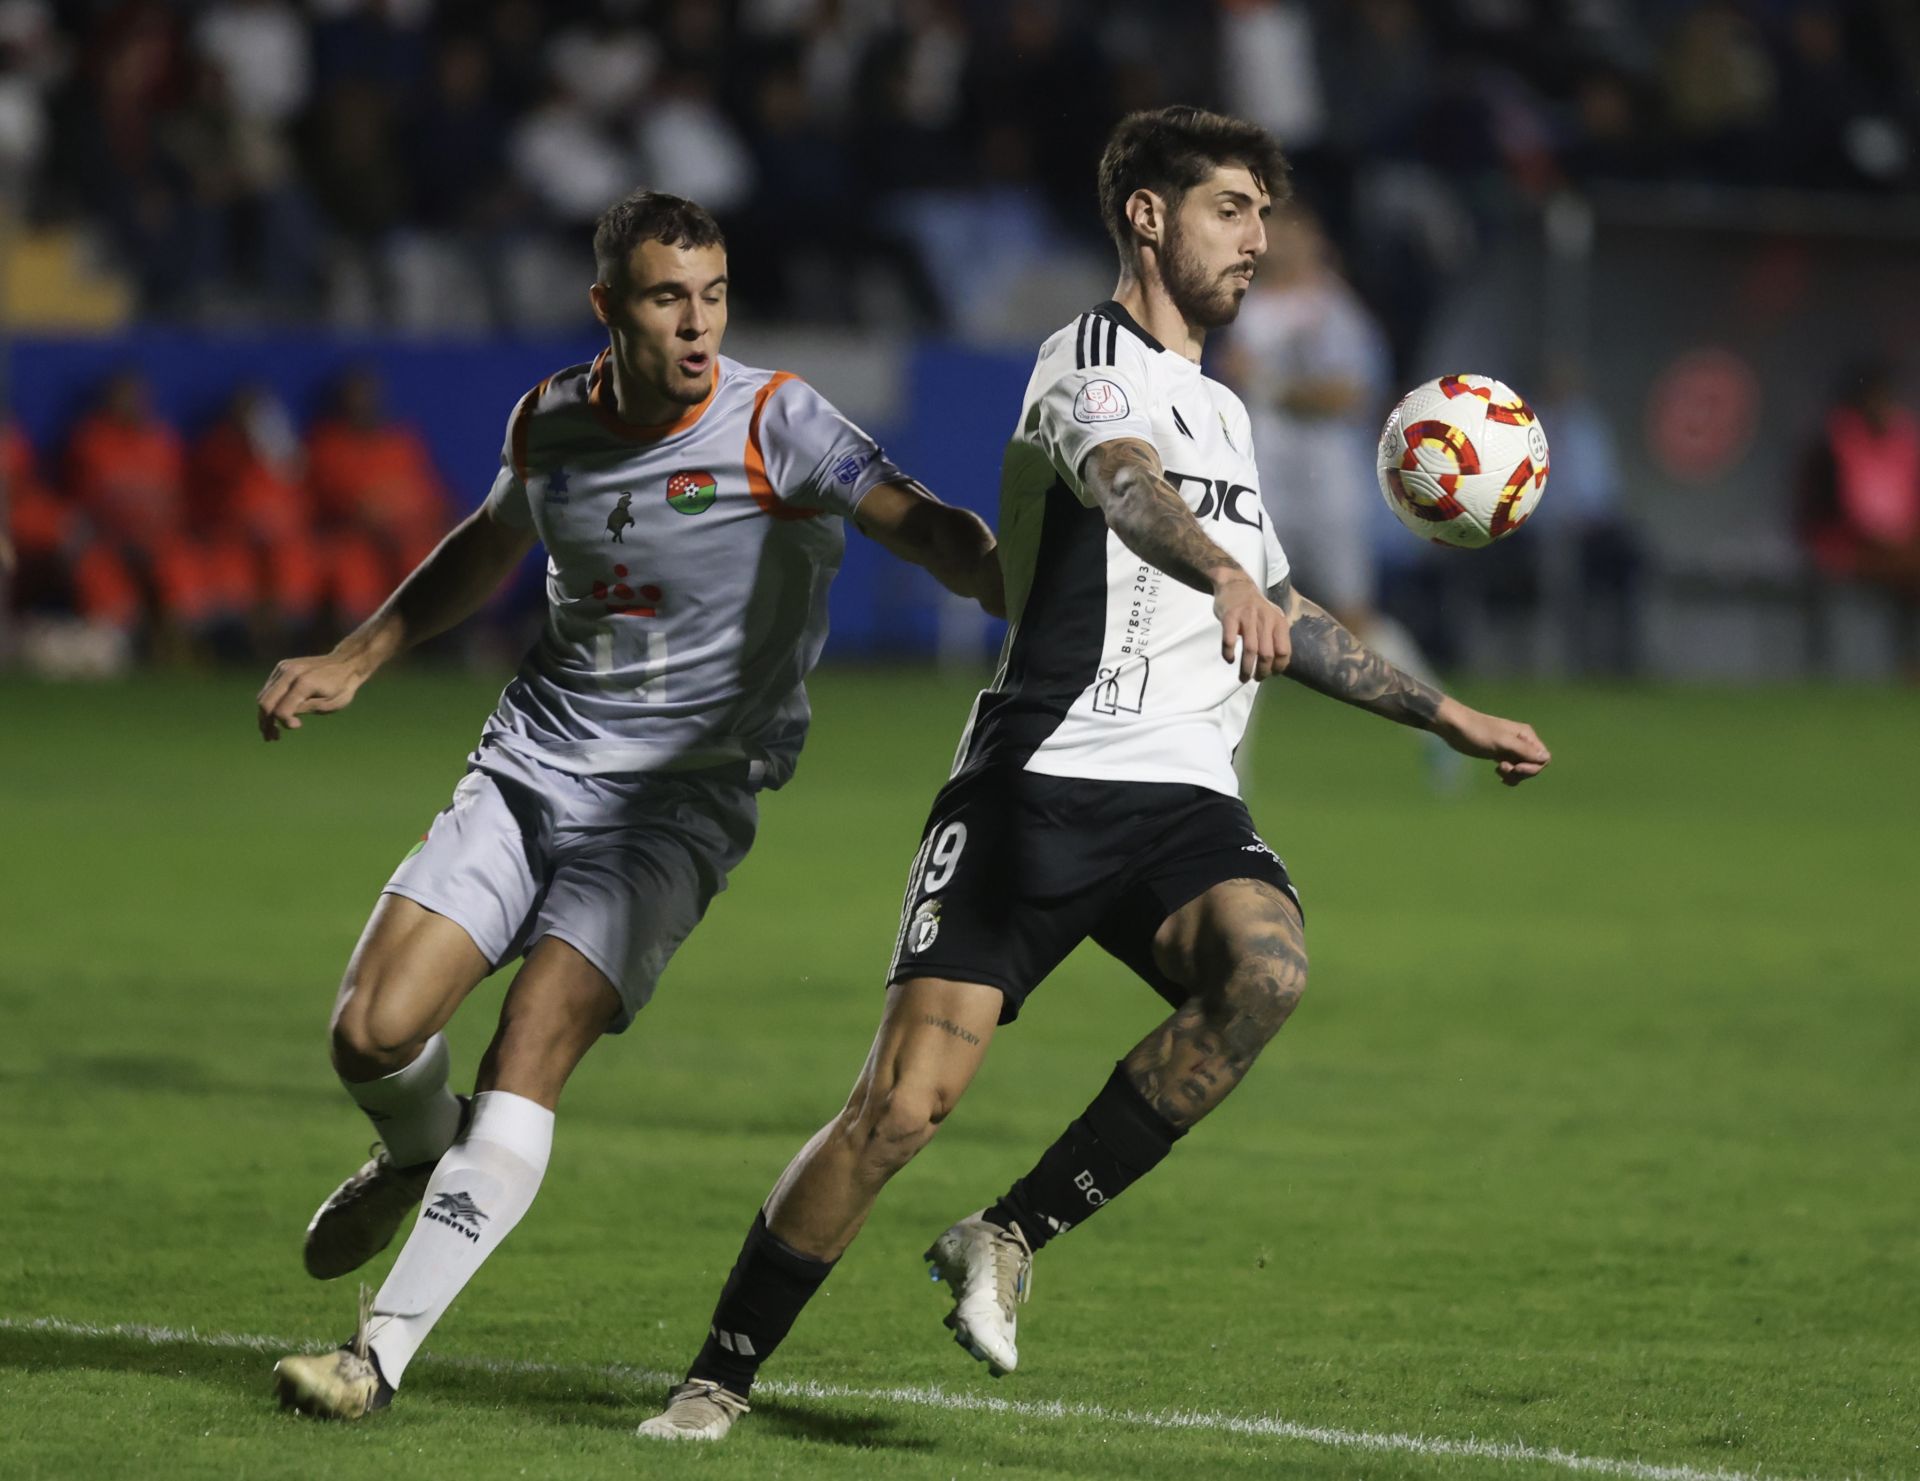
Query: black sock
point(1116, 1141)
point(763, 1297)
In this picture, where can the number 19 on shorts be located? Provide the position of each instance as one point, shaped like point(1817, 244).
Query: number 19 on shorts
point(936, 869)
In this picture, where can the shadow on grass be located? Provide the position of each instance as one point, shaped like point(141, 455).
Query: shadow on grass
point(164, 1074)
point(580, 1399)
point(236, 1369)
point(800, 1421)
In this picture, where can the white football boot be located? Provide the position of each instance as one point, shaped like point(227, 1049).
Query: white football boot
point(361, 1216)
point(698, 1409)
point(343, 1384)
point(990, 1270)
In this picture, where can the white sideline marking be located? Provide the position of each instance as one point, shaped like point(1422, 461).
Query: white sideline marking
point(931, 1396)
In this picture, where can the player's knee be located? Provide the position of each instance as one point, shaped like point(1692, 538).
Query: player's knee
point(371, 1033)
point(902, 1120)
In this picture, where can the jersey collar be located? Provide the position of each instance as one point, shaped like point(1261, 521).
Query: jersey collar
point(600, 398)
point(1113, 309)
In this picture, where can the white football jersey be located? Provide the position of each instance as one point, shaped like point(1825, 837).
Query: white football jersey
point(1112, 668)
point(687, 570)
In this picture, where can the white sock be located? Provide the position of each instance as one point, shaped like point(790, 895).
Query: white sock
point(476, 1195)
point(412, 1109)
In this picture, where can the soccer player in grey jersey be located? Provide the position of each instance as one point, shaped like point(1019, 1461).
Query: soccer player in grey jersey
point(1094, 793)
point(691, 509)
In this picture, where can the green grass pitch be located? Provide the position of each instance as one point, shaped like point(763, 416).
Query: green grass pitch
point(1597, 1135)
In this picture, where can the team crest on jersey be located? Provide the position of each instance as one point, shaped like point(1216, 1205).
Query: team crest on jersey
point(924, 929)
point(1101, 401)
point(692, 492)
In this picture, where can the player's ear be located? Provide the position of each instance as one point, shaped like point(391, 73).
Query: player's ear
point(598, 296)
point(1148, 215)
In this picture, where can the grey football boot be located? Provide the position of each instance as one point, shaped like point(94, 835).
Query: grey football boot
point(361, 1216)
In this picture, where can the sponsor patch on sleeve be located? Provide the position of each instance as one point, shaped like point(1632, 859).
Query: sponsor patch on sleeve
point(1100, 401)
point(849, 468)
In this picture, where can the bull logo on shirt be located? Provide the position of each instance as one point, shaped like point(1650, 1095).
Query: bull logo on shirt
point(619, 517)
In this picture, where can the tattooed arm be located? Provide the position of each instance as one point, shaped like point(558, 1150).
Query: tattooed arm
point(1328, 658)
point(1125, 479)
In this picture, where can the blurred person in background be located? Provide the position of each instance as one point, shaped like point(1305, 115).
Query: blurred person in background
point(248, 226)
point(1859, 496)
point(245, 480)
point(1314, 367)
point(377, 497)
point(124, 473)
point(787, 248)
point(129, 71)
point(74, 623)
point(564, 157)
point(355, 157)
point(41, 540)
point(1718, 76)
point(27, 61)
point(686, 145)
point(1600, 547)
point(464, 198)
point(370, 63)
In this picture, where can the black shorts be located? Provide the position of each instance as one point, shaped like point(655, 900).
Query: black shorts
point(1016, 869)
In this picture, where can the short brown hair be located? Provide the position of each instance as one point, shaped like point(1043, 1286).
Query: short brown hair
point(649, 216)
point(1171, 150)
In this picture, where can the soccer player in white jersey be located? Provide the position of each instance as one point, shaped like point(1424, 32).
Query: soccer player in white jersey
point(1094, 792)
point(691, 509)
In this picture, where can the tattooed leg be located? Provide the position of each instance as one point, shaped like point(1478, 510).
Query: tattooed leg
point(1241, 948)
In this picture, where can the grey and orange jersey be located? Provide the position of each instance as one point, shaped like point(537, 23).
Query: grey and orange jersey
point(687, 570)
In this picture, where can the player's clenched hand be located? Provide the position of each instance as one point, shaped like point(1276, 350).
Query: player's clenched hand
point(1511, 743)
point(306, 686)
point(1251, 627)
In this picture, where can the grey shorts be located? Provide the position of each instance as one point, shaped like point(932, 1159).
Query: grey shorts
point(619, 867)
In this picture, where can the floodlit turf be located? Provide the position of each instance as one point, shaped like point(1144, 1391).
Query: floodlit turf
point(1595, 1134)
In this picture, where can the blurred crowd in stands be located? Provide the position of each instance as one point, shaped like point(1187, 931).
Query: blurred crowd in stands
point(915, 164)
point(248, 540)
point(437, 164)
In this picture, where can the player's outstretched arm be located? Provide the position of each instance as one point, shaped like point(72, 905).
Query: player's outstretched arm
point(1125, 479)
point(444, 589)
point(954, 544)
point(1329, 658)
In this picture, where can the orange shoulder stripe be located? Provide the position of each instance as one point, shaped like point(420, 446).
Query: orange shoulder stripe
point(517, 425)
point(758, 484)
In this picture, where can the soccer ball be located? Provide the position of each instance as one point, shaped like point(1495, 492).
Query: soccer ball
point(1463, 460)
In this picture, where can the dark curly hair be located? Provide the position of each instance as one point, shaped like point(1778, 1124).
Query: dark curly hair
point(649, 216)
point(1171, 150)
